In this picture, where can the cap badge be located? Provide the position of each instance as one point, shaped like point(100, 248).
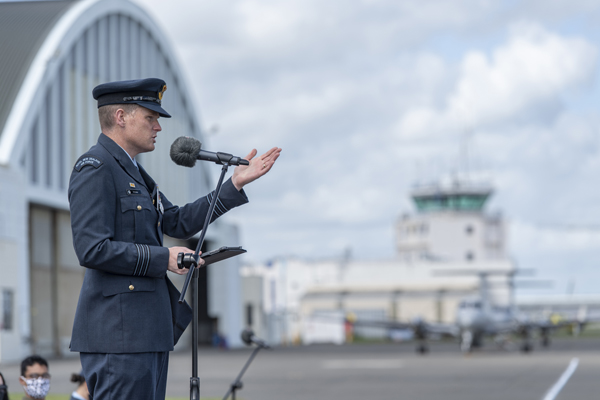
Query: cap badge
point(160, 94)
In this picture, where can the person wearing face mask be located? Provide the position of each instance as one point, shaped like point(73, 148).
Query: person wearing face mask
point(3, 388)
point(35, 378)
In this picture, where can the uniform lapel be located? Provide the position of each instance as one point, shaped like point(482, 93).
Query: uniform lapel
point(153, 188)
point(119, 154)
point(147, 179)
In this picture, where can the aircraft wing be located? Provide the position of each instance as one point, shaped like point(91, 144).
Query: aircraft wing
point(443, 329)
point(556, 321)
point(385, 324)
point(420, 327)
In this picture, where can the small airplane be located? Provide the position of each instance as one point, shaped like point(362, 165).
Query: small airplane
point(478, 317)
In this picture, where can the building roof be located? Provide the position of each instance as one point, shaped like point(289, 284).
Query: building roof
point(23, 27)
point(458, 196)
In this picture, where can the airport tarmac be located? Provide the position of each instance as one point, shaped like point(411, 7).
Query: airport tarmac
point(377, 371)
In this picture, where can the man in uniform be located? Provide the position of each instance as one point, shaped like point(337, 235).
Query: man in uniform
point(128, 317)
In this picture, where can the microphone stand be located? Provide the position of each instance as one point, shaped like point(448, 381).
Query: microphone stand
point(237, 384)
point(224, 159)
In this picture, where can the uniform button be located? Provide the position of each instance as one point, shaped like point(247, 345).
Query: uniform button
point(159, 224)
point(131, 287)
point(139, 208)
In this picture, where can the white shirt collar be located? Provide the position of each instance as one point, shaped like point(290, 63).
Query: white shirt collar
point(131, 158)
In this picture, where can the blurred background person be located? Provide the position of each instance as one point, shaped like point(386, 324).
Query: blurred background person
point(3, 388)
point(35, 378)
point(81, 393)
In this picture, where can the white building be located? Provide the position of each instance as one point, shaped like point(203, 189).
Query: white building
point(450, 225)
point(53, 54)
point(450, 231)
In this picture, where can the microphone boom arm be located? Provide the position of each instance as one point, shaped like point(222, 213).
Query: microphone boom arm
point(221, 158)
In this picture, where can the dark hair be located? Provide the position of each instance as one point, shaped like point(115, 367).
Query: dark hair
point(29, 361)
point(77, 378)
point(5, 396)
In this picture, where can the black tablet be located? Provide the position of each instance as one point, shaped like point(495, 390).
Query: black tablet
point(220, 254)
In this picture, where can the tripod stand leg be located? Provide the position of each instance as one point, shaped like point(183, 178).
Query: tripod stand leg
point(237, 384)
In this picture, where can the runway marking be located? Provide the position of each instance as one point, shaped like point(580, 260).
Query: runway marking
point(561, 382)
point(362, 364)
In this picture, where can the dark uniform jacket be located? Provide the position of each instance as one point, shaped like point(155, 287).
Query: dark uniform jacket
point(127, 303)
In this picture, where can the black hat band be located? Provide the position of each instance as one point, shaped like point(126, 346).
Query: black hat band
point(127, 97)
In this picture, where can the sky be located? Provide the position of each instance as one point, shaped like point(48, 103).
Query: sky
point(369, 97)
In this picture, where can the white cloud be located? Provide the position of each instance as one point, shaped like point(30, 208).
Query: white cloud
point(549, 239)
point(528, 74)
point(272, 21)
point(535, 67)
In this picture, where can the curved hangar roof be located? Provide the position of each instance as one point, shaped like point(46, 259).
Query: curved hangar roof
point(26, 24)
point(56, 53)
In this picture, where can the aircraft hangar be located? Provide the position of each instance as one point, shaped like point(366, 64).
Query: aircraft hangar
point(53, 55)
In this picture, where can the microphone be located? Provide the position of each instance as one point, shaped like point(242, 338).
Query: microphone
point(248, 337)
point(186, 150)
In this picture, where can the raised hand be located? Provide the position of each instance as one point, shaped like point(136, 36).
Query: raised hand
point(244, 174)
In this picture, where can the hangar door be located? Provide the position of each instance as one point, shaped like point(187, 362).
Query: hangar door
point(55, 280)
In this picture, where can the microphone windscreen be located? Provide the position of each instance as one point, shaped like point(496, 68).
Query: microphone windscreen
point(247, 336)
point(184, 151)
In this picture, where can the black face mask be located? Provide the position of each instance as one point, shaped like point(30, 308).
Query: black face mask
point(3, 392)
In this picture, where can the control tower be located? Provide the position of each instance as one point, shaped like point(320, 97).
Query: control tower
point(450, 224)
